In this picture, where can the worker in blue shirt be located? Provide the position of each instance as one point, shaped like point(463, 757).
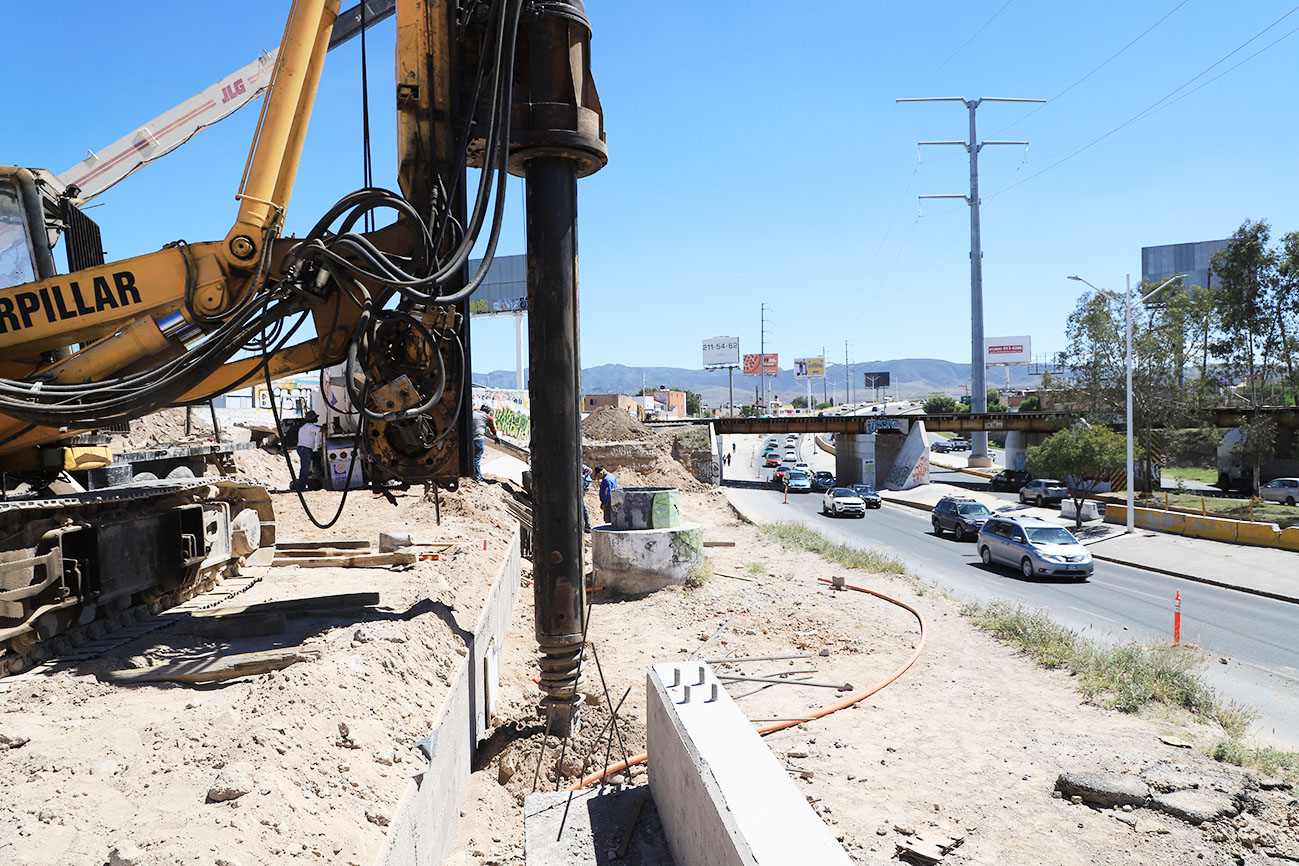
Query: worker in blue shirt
point(608, 484)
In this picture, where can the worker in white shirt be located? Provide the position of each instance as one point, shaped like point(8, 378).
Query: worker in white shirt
point(309, 450)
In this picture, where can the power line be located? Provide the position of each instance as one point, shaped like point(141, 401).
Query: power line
point(1096, 69)
point(1159, 105)
point(964, 44)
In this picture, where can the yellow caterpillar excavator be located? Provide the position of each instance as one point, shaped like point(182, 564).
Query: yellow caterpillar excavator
point(501, 85)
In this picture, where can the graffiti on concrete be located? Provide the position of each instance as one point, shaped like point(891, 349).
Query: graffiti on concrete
point(875, 424)
point(706, 469)
point(897, 477)
point(510, 413)
point(921, 473)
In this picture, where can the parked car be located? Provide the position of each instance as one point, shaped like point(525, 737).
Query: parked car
point(868, 495)
point(797, 481)
point(1284, 490)
point(822, 480)
point(959, 443)
point(960, 515)
point(772, 460)
point(1010, 479)
point(942, 446)
point(1035, 547)
point(1041, 491)
point(842, 501)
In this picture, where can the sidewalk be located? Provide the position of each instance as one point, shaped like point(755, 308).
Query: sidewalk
point(1259, 570)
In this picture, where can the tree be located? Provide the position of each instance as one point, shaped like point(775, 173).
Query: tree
point(1257, 446)
point(939, 404)
point(748, 411)
point(1095, 353)
point(1082, 457)
point(799, 402)
point(693, 403)
point(1247, 277)
point(1031, 404)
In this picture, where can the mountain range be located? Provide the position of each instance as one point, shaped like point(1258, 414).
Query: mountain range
point(909, 377)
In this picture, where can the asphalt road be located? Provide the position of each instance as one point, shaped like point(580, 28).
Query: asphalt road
point(1257, 636)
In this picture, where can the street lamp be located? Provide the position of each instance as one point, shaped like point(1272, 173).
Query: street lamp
point(1127, 326)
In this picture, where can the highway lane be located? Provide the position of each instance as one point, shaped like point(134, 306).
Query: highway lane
point(1257, 636)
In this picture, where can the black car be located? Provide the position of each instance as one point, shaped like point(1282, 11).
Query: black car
point(1011, 479)
point(868, 495)
point(962, 515)
point(822, 480)
point(942, 446)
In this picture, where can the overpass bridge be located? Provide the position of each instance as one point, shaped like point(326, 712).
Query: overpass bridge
point(953, 422)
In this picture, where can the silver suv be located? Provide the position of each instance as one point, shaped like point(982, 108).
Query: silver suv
point(1035, 547)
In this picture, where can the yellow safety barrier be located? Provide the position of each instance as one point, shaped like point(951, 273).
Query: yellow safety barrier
point(1212, 528)
point(1215, 528)
point(1258, 534)
point(1289, 538)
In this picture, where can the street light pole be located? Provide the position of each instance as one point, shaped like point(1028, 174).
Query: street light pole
point(1129, 499)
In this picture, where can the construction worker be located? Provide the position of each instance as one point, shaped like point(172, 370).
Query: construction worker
point(608, 484)
point(483, 423)
point(308, 449)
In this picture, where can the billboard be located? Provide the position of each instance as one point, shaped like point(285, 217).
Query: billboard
point(505, 291)
point(877, 380)
point(722, 352)
point(752, 365)
point(809, 368)
point(767, 363)
point(1007, 350)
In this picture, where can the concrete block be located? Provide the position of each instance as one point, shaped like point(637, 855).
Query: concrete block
point(723, 797)
point(645, 508)
point(1089, 510)
point(645, 560)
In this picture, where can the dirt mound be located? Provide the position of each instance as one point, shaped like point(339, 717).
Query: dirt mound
point(164, 428)
point(608, 424)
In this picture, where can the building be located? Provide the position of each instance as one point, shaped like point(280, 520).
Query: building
point(591, 402)
point(1160, 263)
point(670, 403)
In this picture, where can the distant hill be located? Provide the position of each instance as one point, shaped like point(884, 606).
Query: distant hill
point(911, 377)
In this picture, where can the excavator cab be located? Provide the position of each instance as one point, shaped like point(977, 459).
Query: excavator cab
point(35, 209)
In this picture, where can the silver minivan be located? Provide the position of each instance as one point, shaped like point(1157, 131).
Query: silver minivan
point(1283, 490)
point(1035, 547)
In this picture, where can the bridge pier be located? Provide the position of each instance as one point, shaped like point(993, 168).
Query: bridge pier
point(1017, 444)
point(891, 459)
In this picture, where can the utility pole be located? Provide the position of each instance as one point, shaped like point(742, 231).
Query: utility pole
point(762, 358)
point(825, 381)
point(979, 396)
point(847, 375)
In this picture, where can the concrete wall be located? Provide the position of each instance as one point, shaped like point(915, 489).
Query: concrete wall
point(424, 827)
point(909, 463)
point(723, 797)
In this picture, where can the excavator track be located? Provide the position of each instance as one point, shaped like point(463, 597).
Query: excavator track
point(75, 570)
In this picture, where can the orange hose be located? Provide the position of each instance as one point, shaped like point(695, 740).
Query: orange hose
point(822, 713)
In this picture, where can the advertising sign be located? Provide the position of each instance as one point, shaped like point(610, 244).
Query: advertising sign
point(769, 365)
point(877, 380)
point(293, 396)
point(767, 362)
point(722, 352)
point(809, 368)
point(1007, 350)
point(752, 365)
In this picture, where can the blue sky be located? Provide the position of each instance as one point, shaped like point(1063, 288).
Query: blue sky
point(757, 154)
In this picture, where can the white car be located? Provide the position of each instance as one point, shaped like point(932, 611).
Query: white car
point(1283, 490)
point(839, 501)
point(802, 465)
point(789, 457)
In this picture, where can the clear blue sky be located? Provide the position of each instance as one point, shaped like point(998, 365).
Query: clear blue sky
point(757, 154)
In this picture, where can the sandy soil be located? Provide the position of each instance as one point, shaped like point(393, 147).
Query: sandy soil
point(968, 743)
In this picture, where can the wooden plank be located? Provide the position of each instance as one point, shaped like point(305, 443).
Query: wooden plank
point(299, 606)
point(719, 544)
point(317, 545)
point(359, 560)
point(216, 668)
point(234, 626)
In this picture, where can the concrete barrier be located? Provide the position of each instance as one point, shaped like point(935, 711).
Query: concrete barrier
point(723, 797)
point(1069, 510)
point(1212, 528)
point(424, 826)
point(1258, 534)
point(1289, 538)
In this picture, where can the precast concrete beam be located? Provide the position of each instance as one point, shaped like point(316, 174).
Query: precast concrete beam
point(723, 797)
